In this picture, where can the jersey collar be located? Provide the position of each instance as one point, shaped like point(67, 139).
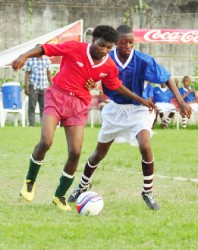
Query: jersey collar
point(127, 61)
point(186, 89)
point(163, 89)
point(91, 60)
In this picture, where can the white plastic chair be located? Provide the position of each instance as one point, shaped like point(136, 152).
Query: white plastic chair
point(12, 103)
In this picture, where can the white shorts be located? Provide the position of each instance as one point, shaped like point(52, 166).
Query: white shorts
point(122, 123)
point(165, 106)
point(194, 106)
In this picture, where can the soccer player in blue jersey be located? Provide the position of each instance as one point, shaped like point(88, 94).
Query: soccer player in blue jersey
point(162, 99)
point(126, 120)
point(190, 96)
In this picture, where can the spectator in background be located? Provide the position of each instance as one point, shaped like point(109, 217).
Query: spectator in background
point(37, 79)
point(162, 99)
point(103, 99)
point(190, 96)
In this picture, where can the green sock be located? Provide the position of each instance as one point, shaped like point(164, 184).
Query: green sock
point(33, 169)
point(65, 183)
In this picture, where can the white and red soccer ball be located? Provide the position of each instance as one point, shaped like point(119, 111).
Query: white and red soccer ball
point(89, 203)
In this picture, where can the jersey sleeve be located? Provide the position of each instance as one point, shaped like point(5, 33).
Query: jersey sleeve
point(62, 49)
point(111, 81)
point(156, 73)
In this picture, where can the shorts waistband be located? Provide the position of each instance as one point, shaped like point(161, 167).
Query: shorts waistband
point(128, 106)
point(124, 105)
point(63, 90)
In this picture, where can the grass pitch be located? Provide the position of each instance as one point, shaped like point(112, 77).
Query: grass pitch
point(125, 222)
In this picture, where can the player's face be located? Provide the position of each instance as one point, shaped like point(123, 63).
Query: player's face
point(125, 44)
point(100, 48)
point(186, 82)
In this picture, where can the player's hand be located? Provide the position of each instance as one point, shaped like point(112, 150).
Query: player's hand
point(27, 91)
point(185, 110)
point(148, 103)
point(19, 62)
point(90, 84)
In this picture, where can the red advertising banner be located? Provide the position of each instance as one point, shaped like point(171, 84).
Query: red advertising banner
point(171, 36)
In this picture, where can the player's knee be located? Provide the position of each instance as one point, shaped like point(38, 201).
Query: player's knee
point(145, 147)
point(99, 156)
point(45, 145)
point(74, 155)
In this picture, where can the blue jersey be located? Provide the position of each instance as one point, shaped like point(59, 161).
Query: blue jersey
point(162, 95)
point(138, 68)
point(147, 92)
point(190, 97)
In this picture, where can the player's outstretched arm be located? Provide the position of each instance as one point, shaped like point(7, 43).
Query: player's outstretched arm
point(19, 62)
point(128, 93)
point(185, 109)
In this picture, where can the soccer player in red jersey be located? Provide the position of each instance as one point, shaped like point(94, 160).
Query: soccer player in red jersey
point(67, 101)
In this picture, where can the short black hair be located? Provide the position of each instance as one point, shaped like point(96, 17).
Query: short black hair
point(106, 32)
point(124, 29)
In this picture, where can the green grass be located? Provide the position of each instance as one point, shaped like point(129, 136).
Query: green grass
point(125, 222)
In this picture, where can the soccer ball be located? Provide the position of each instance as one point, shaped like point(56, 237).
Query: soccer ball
point(89, 203)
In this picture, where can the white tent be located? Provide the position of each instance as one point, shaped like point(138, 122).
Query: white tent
point(73, 31)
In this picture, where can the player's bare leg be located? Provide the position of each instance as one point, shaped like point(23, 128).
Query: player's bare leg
point(147, 168)
point(48, 127)
point(74, 136)
point(90, 166)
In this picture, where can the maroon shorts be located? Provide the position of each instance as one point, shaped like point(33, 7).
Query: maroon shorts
point(65, 107)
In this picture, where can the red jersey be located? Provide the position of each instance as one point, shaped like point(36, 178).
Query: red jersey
point(77, 66)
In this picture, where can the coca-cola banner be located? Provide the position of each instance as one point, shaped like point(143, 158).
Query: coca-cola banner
point(166, 36)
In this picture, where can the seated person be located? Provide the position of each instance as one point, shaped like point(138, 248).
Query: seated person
point(190, 96)
point(162, 97)
point(103, 99)
point(148, 91)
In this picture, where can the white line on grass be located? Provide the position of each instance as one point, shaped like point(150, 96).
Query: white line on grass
point(176, 178)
